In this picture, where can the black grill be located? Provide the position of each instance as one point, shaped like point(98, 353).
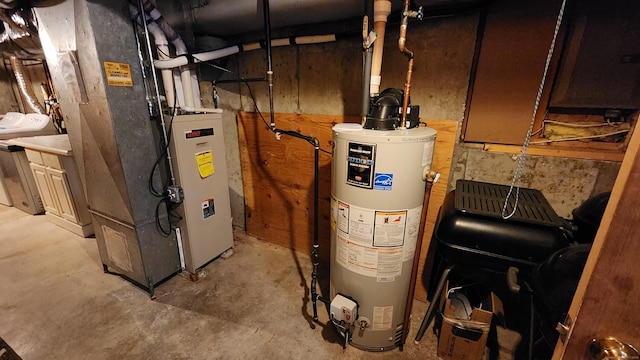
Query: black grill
point(486, 199)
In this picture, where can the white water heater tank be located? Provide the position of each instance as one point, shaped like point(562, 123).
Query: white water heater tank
point(377, 193)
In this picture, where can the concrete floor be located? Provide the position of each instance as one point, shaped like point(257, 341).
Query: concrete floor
point(56, 303)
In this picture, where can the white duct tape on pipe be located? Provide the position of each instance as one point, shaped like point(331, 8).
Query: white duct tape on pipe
point(280, 42)
point(315, 39)
point(250, 46)
point(300, 40)
point(374, 88)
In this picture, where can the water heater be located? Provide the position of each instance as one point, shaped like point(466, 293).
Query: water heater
point(377, 193)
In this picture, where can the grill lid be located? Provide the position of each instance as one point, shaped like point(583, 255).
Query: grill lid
point(484, 199)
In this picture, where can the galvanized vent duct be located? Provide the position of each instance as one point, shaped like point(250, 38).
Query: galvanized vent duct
point(25, 85)
point(111, 136)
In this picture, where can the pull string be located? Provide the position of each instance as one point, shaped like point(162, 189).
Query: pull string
point(523, 153)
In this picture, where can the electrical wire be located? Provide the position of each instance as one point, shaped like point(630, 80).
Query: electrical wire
point(162, 156)
point(169, 206)
point(581, 137)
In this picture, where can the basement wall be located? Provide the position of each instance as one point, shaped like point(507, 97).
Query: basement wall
point(326, 79)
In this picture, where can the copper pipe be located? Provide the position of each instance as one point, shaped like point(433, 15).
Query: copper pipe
point(431, 178)
point(409, 54)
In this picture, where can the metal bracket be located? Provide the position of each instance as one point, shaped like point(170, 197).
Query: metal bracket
point(564, 328)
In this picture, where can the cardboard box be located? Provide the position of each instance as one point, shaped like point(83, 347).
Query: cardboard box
point(462, 339)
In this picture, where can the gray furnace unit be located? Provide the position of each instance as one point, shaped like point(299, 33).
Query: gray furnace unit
point(199, 164)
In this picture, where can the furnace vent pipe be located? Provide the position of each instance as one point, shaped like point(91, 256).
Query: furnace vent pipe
point(202, 57)
point(381, 11)
point(163, 52)
point(157, 17)
point(409, 54)
point(26, 88)
point(231, 50)
point(181, 49)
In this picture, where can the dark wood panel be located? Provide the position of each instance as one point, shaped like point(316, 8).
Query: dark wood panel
point(509, 69)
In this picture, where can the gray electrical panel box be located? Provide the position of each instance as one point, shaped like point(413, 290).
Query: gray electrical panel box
point(199, 164)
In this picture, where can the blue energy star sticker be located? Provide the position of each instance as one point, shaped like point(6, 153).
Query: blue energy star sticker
point(383, 182)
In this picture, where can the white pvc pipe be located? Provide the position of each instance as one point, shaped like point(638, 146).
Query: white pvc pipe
point(163, 53)
point(224, 52)
point(187, 88)
point(162, 44)
point(202, 110)
point(181, 49)
point(381, 11)
point(202, 57)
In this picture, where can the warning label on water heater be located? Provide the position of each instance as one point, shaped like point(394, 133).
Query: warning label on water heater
point(374, 243)
point(361, 159)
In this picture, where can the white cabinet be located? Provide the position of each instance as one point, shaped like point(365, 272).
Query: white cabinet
point(58, 182)
point(40, 175)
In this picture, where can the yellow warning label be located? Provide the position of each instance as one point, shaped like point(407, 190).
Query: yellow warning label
point(205, 163)
point(118, 74)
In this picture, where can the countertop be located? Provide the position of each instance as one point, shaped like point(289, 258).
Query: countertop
point(54, 144)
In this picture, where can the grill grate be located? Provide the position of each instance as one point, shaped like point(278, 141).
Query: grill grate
point(486, 199)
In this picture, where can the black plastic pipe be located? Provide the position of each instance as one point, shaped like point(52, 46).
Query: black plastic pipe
point(366, 82)
point(267, 32)
point(316, 146)
point(367, 61)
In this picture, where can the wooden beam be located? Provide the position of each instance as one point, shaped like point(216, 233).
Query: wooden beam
point(572, 153)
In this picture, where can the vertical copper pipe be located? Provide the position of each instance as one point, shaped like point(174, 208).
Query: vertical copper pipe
point(416, 257)
point(409, 54)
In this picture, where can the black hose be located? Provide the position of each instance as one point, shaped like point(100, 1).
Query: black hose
point(314, 250)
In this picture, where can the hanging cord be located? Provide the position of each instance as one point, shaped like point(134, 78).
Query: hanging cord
point(523, 153)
